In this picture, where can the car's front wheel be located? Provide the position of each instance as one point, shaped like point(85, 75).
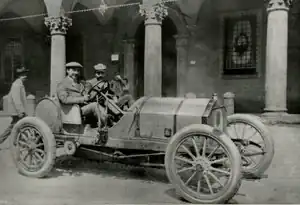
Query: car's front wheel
point(203, 164)
point(33, 147)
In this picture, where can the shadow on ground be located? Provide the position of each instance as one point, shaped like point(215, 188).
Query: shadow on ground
point(71, 166)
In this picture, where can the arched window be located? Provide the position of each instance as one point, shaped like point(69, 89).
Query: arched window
point(12, 58)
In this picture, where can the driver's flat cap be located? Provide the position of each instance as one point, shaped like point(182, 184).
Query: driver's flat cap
point(73, 65)
point(100, 67)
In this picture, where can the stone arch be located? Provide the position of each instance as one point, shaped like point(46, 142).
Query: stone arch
point(102, 18)
point(177, 19)
point(15, 8)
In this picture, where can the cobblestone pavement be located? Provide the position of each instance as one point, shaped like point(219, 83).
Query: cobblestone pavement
point(91, 183)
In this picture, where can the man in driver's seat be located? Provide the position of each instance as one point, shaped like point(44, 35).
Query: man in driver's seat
point(71, 91)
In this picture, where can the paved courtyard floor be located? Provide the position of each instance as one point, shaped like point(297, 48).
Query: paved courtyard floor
point(92, 183)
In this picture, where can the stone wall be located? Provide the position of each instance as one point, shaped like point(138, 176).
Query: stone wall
point(204, 77)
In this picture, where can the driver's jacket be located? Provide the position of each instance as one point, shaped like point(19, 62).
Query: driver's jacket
point(69, 92)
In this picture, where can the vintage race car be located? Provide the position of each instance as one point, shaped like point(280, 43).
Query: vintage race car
point(202, 150)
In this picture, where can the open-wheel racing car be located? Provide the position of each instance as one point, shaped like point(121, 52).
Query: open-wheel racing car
point(205, 153)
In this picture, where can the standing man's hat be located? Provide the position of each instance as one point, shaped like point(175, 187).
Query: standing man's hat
point(100, 67)
point(21, 70)
point(73, 65)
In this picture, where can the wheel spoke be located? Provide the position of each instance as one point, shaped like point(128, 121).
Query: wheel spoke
point(248, 138)
point(184, 160)
point(208, 184)
point(196, 147)
point(214, 150)
point(23, 149)
point(219, 160)
point(29, 134)
point(253, 154)
point(204, 147)
point(23, 136)
point(188, 152)
point(199, 182)
point(219, 170)
point(24, 144)
point(38, 145)
point(191, 177)
point(37, 139)
point(38, 156)
point(25, 157)
point(249, 160)
point(40, 151)
point(243, 132)
point(215, 178)
point(236, 134)
point(29, 159)
point(185, 169)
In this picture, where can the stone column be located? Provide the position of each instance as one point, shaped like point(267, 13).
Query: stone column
point(129, 46)
point(182, 63)
point(154, 12)
point(58, 27)
point(276, 56)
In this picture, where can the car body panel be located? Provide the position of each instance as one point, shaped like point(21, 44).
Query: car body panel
point(148, 124)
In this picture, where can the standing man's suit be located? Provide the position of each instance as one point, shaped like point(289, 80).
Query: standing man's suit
point(16, 101)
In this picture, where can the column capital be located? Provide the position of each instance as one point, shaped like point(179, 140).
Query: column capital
point(181, 40)
point(58, 25)
point(273, 5)
point(154, 11)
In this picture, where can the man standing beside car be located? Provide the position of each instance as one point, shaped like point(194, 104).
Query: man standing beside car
point(16, 101)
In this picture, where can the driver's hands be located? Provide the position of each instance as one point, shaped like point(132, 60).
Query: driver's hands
point(87, 97)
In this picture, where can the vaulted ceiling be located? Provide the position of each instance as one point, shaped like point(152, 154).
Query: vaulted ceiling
point(189, 8)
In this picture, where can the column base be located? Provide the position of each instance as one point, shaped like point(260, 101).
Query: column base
point(274, 114)
point(275, 110)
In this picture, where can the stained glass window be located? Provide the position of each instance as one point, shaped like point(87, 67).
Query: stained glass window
point(240, 45)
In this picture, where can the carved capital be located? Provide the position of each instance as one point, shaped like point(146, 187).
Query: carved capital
point(58, 25)
point(154, 11)
point(273, 5)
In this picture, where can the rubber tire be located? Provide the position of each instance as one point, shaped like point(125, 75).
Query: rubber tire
point(49, 143)
point(256, 122)
point(233, 152)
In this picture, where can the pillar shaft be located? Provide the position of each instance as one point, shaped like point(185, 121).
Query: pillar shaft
point(58, 27)
point(129, 48)
point(154, 12)
point(276, 56)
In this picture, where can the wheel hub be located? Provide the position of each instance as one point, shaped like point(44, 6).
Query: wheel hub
point(202, 164)
point(32, 146)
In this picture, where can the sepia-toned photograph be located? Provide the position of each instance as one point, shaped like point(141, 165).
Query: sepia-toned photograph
point(149, 102)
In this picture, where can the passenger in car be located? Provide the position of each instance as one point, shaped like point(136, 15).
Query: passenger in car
point(72, 91)
point(121, 89)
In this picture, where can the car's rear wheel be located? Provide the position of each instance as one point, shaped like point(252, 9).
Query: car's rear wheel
point(203, 164)
point(254, 141)
point(33, 147)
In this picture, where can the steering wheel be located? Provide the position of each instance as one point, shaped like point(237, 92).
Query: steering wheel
point(88, 90)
